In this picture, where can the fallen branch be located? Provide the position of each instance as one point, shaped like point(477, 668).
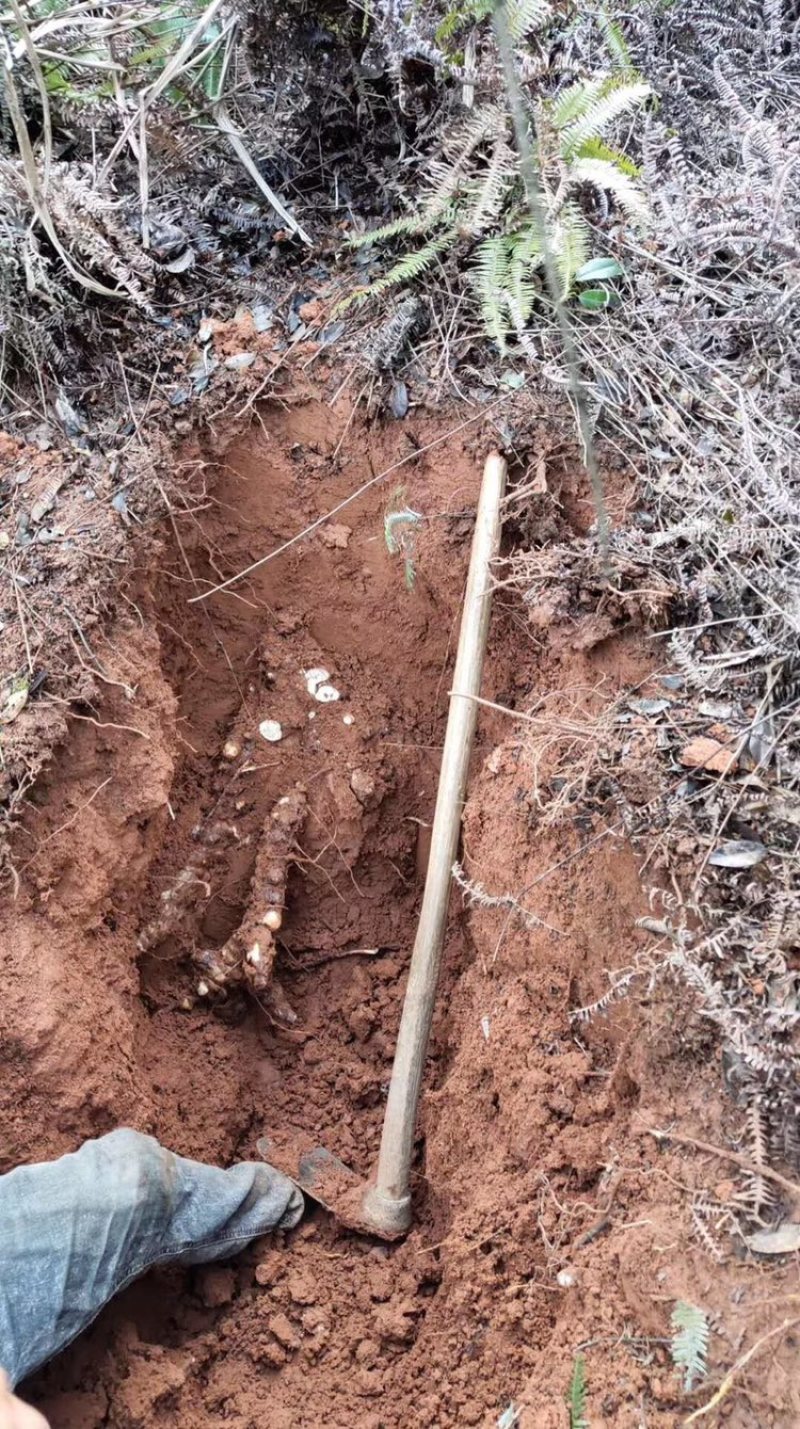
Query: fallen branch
point(735, 1156)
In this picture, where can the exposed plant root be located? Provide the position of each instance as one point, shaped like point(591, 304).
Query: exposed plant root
point(176, 902)
point(248, 956)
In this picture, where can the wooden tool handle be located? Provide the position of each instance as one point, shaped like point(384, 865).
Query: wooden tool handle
point(387, 1202)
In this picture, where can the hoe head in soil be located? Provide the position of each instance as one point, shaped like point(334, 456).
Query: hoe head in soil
point(327, 1180)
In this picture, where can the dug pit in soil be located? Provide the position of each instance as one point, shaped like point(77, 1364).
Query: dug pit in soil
point(110, 1017)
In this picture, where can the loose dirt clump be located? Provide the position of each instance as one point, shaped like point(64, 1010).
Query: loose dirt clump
point(548, 1220)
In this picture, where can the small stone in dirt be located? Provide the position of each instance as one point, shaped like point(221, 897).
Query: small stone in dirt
point(263, 316)
point(335, 536)
point(315, 677)
point(284, 1332)
point(217, 1287)
point(362, 784)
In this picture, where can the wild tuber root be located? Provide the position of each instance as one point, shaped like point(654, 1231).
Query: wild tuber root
point(249, 954)
point(181, 904)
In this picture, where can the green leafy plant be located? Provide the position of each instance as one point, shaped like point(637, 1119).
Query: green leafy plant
point(689, 1343)
point(475, 188)
point(598, 270)
point(522, 16)
point(577, 1396)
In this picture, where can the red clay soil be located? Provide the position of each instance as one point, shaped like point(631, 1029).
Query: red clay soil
point(547, 1220)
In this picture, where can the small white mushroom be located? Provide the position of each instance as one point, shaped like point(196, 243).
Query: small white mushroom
point(326, 694)
point(231, 749)
point(270, 730)
point(348, 719)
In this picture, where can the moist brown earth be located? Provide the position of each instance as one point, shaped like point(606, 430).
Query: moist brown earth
point(548, 1221)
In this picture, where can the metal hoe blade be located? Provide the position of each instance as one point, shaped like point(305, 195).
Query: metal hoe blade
point(323, 1177)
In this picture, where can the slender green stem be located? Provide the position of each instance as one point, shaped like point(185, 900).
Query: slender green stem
point(529, 169)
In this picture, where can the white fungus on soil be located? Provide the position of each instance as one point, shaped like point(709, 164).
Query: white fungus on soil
point(270, 730)
point(348, 719)
point(326, 694)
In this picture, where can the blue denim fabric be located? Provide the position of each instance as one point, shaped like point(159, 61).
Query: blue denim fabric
point(75, 1231)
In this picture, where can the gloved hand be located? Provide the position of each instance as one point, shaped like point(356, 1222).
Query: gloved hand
point(13, 1413)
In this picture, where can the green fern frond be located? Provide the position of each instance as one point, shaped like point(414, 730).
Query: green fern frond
point(598, 149)
point(411, 265)
point(522, 16)
point(491, 279)
point(615, 40)
point(570, 241)
point(602, 112)
point(444, 181)
point(489, 192)
point(689, 1343)
point(576, 1400)
point(574, 101)
point(525, 257)
point(488, 122)
point(408, 224)
point(522, 292)
point(446, 177)
point(603, 174)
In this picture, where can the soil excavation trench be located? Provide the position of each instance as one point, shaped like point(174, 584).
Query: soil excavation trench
point(321, 680)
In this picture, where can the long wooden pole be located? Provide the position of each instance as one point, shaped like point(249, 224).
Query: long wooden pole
point(387, 1200)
